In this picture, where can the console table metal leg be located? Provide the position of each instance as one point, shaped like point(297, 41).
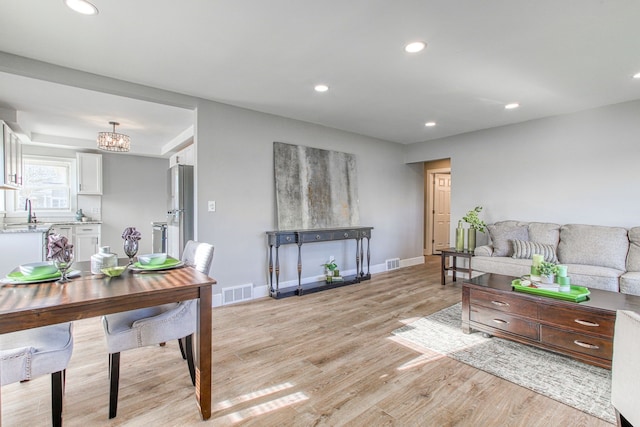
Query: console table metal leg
point(362, 258)
point(368, 257)
point(270, 269)
point(443, 269)
point(299, 268)
point(358, 240)
point(277, 270)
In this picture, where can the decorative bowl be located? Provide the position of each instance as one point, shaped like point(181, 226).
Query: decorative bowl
point(152, 259)
point(114, 271)
point(38, 268)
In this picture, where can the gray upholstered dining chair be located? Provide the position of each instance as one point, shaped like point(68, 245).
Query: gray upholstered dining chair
point(625, 372)
point(30, 353)
point(155, 325)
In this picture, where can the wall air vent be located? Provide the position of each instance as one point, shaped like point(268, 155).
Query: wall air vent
point(237, 294)
point(393, 264)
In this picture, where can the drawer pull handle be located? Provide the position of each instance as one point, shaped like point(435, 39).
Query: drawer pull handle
point(503, 322)
point(346, 235)
point(586, 345)
point(288, 238)
point(317, 237)
point(586, 323)
point(500, 303)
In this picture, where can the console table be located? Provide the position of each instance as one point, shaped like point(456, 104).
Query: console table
point(300, 237)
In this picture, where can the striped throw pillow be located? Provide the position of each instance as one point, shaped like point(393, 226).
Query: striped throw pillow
point(524, 250)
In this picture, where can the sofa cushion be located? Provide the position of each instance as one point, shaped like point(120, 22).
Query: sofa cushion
point(594, 277)
point(544, 232)
point(633, 259)
point(593, 245)
point(502, 234)
point(501, 265)
point(630, 283)
point(523, 249)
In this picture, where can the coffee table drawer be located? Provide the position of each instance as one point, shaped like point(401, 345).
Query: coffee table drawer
point(575, 342)
point(505, 303)
point(579, 320)
point(505, 322)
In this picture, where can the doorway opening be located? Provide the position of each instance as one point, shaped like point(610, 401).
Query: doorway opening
point(437, 199)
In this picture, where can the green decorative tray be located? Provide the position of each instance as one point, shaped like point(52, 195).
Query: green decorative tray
point(577, 293)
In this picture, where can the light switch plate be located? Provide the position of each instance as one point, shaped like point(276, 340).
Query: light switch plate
point(212, 205)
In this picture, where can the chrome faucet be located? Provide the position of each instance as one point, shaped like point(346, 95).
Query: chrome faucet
point(27, 207)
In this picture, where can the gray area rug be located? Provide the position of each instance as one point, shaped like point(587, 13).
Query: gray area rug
point(582, 386)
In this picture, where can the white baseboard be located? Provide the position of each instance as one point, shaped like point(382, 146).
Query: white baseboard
point(262, 291)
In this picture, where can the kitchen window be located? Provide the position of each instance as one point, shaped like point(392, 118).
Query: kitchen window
point(48, 183)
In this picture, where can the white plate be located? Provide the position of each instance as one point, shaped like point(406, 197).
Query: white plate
point(7, 281)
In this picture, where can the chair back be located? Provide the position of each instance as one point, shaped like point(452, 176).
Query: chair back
point(625, 375)
point(198, 255)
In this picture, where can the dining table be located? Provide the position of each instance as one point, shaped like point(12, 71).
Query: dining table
point(24, 306)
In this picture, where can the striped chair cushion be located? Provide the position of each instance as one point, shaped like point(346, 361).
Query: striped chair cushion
point(523, 249)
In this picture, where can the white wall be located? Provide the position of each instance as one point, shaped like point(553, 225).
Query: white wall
point(577, 168)
point(134, 194)
point(235, 168)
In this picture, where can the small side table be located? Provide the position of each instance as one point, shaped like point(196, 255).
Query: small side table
point(453, 253)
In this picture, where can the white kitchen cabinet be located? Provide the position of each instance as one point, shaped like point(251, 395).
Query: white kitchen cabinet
point(11, 162)
point(186, 156)
point(64, 230)
point(87, 241)
point(20, 248)
point(89, 173)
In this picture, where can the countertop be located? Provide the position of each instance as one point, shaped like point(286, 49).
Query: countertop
point(39, 227)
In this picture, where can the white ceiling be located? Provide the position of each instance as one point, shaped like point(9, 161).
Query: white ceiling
point(551, 56)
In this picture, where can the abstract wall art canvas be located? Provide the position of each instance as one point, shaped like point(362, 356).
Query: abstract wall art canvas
point(315, 188)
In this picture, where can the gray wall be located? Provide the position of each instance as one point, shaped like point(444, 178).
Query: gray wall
point(235, 168)
point(134, 194)
point(577, 168)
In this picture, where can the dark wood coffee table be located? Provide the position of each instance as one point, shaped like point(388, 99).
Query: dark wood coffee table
point(581, 330)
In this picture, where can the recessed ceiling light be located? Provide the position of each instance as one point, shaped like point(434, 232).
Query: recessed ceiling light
point(430, 124)
point(511, 106)
point(415, 47)
point(81, 6)
point(321, 88)
point(636, 76)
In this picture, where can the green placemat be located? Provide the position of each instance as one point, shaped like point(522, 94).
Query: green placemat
point(576, 294)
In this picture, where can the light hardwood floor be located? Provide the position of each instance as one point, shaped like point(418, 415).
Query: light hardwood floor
point(325, 359)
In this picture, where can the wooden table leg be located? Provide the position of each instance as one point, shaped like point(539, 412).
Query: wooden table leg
point(442, 267)
point(455, 266)
point(203, 351)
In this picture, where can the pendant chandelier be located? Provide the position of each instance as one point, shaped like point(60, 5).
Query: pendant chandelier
point(113, 141)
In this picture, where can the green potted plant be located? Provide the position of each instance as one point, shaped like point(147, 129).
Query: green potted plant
point(547, 271)
point(475, 224)
point(331, 269)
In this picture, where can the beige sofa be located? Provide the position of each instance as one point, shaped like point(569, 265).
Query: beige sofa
point(596, 256)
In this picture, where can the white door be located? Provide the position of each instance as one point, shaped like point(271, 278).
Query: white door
point(441, 211)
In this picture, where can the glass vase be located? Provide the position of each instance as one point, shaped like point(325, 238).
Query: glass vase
point(63, 263)
point(130, 249)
